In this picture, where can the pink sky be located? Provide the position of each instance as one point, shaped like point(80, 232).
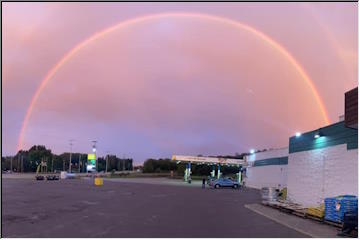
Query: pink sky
point(173, 85)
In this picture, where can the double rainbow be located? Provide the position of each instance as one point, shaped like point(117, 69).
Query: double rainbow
point(131, 22)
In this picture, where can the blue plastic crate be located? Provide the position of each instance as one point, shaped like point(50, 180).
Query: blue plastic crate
point(336, 207)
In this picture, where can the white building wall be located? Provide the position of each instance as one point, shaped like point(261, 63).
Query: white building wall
point(269, 175)
point(317, 174)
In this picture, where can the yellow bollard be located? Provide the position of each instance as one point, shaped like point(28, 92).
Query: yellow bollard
point(99, 181)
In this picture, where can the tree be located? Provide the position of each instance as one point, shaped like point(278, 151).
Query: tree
point(160, 165)
point(5, 163)
point(32, 158)
point(101, 164)
point(58, 163)
point(148, 166)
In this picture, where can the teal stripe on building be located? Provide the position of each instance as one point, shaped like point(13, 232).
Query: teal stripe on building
point(332, 135)
point(271, 161)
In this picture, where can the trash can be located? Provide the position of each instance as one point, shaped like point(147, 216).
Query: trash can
point(99, 181)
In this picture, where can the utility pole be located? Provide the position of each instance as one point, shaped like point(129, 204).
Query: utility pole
point(71, 144)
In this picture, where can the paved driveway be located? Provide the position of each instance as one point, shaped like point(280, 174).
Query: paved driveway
point(77, 208)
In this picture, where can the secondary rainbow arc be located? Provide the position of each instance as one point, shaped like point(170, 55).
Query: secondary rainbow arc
point(130, 22)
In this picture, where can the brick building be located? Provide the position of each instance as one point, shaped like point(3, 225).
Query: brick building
point(317, 164)
point(324, 162)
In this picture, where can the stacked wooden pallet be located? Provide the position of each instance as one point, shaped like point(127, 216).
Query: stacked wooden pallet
point(288, 207)
point(298, 210)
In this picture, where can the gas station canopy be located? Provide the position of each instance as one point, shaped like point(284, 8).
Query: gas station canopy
point(209, 160)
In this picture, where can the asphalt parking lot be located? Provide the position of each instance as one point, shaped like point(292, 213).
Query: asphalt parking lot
point(77, 208)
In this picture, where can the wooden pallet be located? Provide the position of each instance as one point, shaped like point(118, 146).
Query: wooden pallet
point(287, 207)
point(314, 218)
point(294, 209)
point(335, 224)
point(300, 213)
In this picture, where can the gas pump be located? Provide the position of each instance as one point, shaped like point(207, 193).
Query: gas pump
point(239, 175)
point(219, 173)
point(187, 175)
point(213, 171)
point(189, 172)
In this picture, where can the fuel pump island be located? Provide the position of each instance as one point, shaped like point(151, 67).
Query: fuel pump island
point(214, 161)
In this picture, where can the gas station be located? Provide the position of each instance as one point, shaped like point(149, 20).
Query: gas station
point(214, 161)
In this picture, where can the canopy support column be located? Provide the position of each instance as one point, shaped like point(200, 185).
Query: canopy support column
point(213, 171)
point(219, 173)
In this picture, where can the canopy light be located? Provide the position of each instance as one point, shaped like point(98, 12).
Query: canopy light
point(318, 134)
point(94, 149)
point(298, 134)
point(252, 151)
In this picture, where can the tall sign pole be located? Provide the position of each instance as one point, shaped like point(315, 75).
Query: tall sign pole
point(94, 152)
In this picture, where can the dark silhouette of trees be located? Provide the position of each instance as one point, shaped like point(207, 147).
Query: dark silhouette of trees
point(28, 160)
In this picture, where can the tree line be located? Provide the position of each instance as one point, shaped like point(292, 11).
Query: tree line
point(166, 165)
point(28, 161)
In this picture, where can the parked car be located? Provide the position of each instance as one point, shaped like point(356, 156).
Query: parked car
point(52, 177)
point(224, 182)
point(40, 177)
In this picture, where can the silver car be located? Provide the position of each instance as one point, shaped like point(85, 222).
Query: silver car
point(224, 182)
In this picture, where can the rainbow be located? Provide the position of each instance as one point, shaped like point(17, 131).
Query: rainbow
point(130, 22)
